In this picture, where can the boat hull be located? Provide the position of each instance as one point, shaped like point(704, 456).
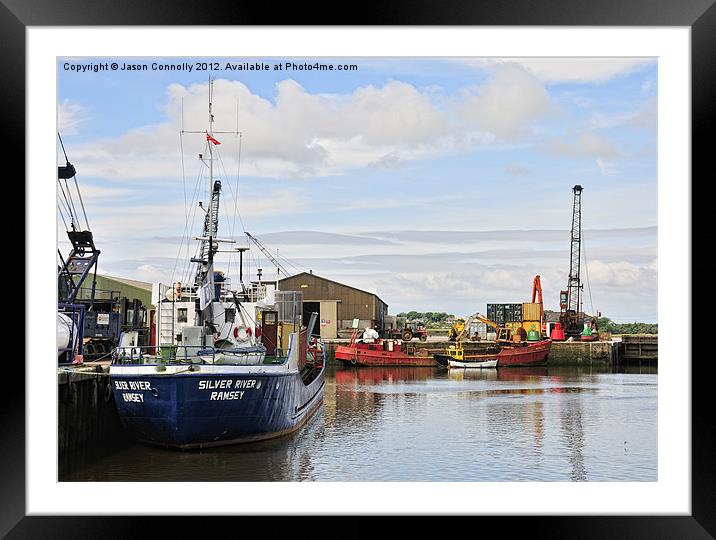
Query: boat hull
point(197, 410)
point(488, 363)
point(442, 359)
point(374, 355)
point(530, 354)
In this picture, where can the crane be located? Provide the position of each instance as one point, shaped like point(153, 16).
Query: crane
point(266, 252)
point(537, 297)
point(82, 259)
point(503, 333)
point(570, 301)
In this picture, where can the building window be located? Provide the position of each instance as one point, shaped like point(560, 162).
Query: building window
point(182, 314)
point(229, 315)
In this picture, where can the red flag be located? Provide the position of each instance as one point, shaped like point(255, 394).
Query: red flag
point(211, 139)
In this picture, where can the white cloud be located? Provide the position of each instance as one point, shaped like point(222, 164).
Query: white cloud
point(507, 104)
point(150, 273)
point(69, 116)
point(621, 274)
point(585, 144)
point(569, 69)
point(644, 117)
point(300, 134)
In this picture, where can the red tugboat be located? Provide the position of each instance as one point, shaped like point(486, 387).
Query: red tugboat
point(371, 351)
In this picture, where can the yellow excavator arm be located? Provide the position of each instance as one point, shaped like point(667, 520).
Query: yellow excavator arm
point(500, 331)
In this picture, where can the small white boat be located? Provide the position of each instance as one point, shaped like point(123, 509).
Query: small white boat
point(481, 363)
point(455, 357)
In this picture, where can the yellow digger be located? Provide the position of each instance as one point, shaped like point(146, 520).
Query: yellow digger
point(456, 329)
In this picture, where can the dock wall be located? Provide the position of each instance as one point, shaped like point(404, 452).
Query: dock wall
point(88, 423)
point(577, 353)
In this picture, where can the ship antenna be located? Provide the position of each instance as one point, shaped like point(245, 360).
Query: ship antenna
point(211, 132)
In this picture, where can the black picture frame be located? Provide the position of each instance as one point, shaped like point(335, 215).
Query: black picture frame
point(16, 15)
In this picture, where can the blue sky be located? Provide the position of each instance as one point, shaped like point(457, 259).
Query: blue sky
point(439, 184)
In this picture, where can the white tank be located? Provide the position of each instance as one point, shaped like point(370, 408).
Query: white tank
point(65, 329)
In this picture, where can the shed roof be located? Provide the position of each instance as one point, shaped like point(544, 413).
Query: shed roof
point(332, 281)
point(132, 282)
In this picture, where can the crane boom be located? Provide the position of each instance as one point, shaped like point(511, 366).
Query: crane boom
point(537, 297)
point(570, 300)
point(500, 331)
point(266, 252)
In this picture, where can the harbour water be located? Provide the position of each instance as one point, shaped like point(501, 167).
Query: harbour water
point(415, 424)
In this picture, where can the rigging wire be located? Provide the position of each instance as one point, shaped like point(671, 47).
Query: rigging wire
point(195, 203)
point(295, 264)
point(63, 217)
point(183, 181)
point(67, 204)
point(234, 195)
point(186, 209)
point(64, 202)
point(586, 272)
point(77, 188)
point(82, 204)
point(74, 210)
point(197, 247)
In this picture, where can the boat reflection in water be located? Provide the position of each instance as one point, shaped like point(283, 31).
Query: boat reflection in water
point(499, 374)
point(376, 375)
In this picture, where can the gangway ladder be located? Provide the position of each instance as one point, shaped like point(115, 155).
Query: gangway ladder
point(166, 319)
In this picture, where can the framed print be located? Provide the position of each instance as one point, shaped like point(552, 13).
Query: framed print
point(293, 263)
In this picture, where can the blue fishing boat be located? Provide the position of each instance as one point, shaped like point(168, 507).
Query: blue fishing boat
point(226, 366)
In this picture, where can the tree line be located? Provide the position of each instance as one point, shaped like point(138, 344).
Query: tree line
point(605, 324)
point(428, 317)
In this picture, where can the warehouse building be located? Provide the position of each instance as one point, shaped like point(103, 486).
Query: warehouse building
point(114, 287)
point(337, 304)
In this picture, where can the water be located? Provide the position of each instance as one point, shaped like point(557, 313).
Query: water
point(429, 424)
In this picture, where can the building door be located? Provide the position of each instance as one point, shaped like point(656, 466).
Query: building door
point(312, 307)
point(329, 319)
point(269, 331)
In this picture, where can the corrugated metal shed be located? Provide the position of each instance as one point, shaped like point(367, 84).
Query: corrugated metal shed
point(351, 302)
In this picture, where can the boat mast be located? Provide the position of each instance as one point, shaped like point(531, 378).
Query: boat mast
point(211, 220)
point(209, 240)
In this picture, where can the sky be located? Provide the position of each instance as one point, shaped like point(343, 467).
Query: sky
point(440, 184)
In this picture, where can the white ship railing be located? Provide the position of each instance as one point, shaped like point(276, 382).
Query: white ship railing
point(160, 355)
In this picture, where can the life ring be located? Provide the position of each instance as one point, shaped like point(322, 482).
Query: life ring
point(241, 333)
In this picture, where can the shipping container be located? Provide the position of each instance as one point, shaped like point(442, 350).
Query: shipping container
point(504, 313)
point(496, 313)
point(531, 311)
